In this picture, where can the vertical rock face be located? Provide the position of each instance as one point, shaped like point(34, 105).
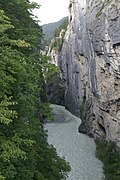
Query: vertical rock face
point(90, 66)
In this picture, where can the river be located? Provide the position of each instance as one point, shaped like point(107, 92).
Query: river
point(78, 149)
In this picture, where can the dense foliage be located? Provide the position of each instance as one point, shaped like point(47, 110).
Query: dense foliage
point(49, 29)
point(24, 151)
point(59, 34)
point(62, 26)
point(109, 153)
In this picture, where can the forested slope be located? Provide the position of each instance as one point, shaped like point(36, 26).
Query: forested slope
point(50, 28)
point(24, 151)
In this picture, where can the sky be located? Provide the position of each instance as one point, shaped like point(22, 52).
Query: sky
point(51, 10)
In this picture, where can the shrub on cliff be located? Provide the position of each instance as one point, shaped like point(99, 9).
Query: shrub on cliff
point(109, 154)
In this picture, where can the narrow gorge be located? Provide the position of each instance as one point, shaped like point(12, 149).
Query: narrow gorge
point(89, 61)
point(54, 93)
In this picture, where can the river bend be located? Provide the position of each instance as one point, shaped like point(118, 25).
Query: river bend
point(78, 149)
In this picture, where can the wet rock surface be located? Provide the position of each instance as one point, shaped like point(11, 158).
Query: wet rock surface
point(55, 93)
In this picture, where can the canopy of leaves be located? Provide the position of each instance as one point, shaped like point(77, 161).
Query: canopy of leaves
point(109, 153)
point(24, 150)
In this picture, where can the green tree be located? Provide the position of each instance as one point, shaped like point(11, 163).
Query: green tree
point(109, 153)
point(24, 150)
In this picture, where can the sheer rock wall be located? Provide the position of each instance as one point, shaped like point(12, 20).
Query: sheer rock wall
point(90, 66)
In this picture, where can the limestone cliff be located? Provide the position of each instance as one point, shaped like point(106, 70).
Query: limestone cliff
point(90, 66)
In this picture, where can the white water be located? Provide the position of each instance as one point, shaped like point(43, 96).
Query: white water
point(78, 149)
